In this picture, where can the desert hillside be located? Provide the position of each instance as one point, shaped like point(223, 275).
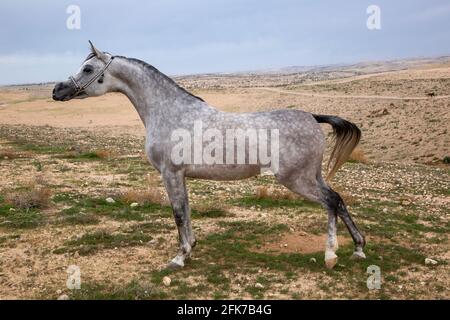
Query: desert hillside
point(403, 109)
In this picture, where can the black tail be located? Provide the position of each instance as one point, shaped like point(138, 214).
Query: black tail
point(347, 136)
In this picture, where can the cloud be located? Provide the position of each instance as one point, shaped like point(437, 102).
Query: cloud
point(198, 36)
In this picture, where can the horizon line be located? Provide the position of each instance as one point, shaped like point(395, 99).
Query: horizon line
point(269, 70)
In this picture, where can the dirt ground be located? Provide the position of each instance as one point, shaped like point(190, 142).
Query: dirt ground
point(59, 162)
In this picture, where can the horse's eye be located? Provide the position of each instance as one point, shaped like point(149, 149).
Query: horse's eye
point(87, 70)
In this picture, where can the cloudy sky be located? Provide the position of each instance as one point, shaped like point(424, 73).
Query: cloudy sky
point(197, 36)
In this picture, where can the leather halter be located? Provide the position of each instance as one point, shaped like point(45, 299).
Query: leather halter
point(81, 88)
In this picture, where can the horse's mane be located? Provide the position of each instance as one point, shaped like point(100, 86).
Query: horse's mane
point(152, 69)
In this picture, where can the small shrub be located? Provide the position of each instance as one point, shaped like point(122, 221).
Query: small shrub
point(151, 195)
point(37, 197)
point(92, 242)
point(446, 160)
point(90, 155)
point(358, 156)
point(105, 154)
point(21, 219)
point(209, 210)
point(8, 155)
point(263, 192)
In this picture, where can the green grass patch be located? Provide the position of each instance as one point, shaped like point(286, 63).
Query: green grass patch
point(398, 220)
point(81, 156)
point(118, 210)
point(19, 218)
point(209, 213)
point(73, 216)
point(267, 203)
point(92, 242)
point(84, 156)
point(38, 148)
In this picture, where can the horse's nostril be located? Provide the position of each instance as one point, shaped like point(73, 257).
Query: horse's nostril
point(60, 86)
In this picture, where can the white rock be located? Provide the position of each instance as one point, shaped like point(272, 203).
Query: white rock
point(110, 200)
point(63, 297)
point(134, 204)
point(259, 285)
point(385, 210)
point(313, 260)
point(166, 281)
point(430, 261)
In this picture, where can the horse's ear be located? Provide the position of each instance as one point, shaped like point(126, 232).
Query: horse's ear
point(99, 54)
point(94, 49)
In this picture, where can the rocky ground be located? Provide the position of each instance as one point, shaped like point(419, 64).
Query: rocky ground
point(76, 189)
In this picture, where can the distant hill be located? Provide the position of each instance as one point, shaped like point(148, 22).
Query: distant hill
point(360, 67)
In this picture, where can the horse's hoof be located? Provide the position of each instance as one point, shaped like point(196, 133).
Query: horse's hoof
point(358, 255)
point(174, 266)
point(330, 259)
point(176, 263)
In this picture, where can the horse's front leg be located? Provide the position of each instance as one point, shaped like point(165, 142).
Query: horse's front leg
point(176, 190)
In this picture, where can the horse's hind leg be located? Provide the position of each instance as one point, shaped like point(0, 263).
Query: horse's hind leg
point(332, 243)
point(313, 187)
point(335, 204)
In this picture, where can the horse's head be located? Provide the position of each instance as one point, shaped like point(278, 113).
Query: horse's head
point(92, 79)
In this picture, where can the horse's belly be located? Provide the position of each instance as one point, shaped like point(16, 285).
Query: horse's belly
point(222, 171)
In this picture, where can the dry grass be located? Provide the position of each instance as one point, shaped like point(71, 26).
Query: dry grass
point(210, 206)
point(37, 197)
point(105, 154)
point(358, 156)
point(151, 195)
point(264, 192)
point(9, 155)
point(6, 154)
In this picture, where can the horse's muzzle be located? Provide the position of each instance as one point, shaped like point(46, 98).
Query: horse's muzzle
point(63, 91)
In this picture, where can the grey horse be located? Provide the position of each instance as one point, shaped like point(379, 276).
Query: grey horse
point(164, 107)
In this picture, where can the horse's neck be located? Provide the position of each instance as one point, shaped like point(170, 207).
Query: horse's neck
point(151, 93)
